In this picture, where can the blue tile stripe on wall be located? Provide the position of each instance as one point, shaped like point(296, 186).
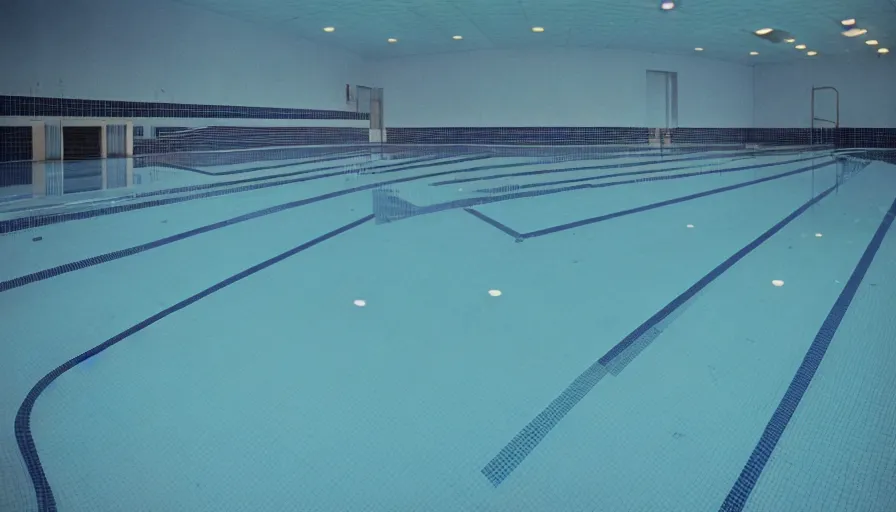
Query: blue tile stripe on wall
point(513, 454)
point(839, 137)
point(72, 107)
point(45, 500)
point(15, 143)
point(743, 487)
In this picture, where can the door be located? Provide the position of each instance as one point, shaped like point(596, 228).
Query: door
point(363, 99)
point(662, 99)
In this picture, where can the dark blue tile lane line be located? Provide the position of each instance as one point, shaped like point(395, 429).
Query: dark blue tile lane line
point(488, 220)
point(114, 255)
point(513, 454)
point(660, 204)
point(22, 223)
point(219, 184)
point(27, 447)
point(606, 166)
point(743, 487)
point(161, 162)
point(479, 201)
point(653, 171)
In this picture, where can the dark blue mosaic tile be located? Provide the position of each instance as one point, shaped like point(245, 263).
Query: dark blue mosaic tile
point(212, 138)
point(518, 135)
point(15, 143)
point(72, 107)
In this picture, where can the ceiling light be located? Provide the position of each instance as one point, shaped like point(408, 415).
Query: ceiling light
point(754, 53)
point(848, 23)
point(698, 49)
point(883, 50)
point(329, 29)
point(854, 32)
point(871, 42)
point(667, 6)
point(818, 235)
point(391, 40)
point(360, 303)
point(800, 47)
point(457, 38)
point(811, 53)
point(494, 293)
point(777, 282)
point(791, 40)
point(764, 31)
point(537, 29)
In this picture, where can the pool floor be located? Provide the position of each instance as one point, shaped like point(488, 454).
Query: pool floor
point(457, 331)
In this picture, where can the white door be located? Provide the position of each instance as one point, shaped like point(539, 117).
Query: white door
point(662, 99)
point(657, 100)
point(363, 99)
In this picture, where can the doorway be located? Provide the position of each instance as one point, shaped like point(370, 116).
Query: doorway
point(82, 142)
point(662, 100)
point(364, 94)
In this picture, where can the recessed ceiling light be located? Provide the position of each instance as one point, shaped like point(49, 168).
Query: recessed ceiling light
point(754, 53)
point(457, 38)
point(329, 29)
point(800, 47)
point(494, 293)
point(871, 42)
point(391, 40)
point(855, 32)
point(811, 53)
point(537, 29)
point(848, 23)
point(667, 6)
point(777, 282)
point(698, 49)
point(360, 303)
point(883, 50)
point(791, 40)
point(764, 31)
point(818, 235)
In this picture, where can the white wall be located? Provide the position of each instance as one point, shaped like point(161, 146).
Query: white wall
point(563, 87)
point(157, 50)
point(867, 86)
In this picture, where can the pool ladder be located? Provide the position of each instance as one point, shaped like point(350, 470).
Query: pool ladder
point(835, 122)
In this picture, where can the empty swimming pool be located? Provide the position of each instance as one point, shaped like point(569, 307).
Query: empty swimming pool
point(449, 328)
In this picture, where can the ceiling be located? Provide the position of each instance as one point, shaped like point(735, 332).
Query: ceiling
point(722, 27)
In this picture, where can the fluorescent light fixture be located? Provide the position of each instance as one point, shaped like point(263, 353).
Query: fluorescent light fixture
point(811, 53)
point(791, 41)
point(800, 47)
point(754, 53)
point(883, 50)
point(457, 38)
point(667, 6)
point(537, 29)
point(871, 42)
point(698, 49)
point(391, 40)
point(329, 29)
point(854, 32)
point(764, 31)
point(848, 22)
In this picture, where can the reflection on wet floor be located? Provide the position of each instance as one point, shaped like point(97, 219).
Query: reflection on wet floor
point(22, 180)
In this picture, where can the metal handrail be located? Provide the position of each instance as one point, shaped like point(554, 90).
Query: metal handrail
point(836, 122)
